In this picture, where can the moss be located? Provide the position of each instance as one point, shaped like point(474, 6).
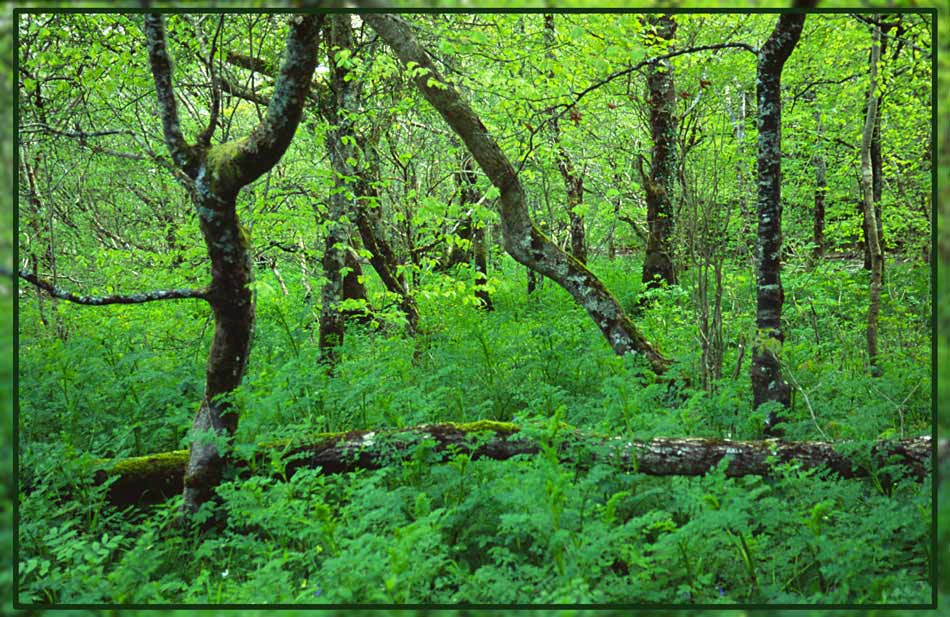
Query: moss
point(175, 460)
point(312, 439)
point(504, 428)
point(223, 172)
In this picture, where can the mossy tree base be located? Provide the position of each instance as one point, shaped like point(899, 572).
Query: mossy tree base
point(153, 478)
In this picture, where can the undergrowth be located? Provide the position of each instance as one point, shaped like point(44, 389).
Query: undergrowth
point(126, 381)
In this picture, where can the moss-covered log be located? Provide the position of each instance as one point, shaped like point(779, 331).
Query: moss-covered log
point(152, 478)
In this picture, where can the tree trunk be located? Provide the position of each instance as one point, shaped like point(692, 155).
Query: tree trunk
point(355, 289)
point(821, 187)
point(877, 165)
point(573, 182)
point(153, 478)
point(366, 212)
point(658, 263)
point(523, 241)
point(479, 249)
point(870, 214)
point(45, 255)
point(214, 175)
point(369, 224)
point(768, 385)
point(344, 159)
point(233, 309)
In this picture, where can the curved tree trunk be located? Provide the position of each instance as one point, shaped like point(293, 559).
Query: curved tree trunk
point(214, 175)
point(365, 213)
point(658, 262)
point(368, 218)
point(233, 309)
point(523, 241)
point(768, 384)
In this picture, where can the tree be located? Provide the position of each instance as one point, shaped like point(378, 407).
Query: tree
point(573, 180)
point(214, 175)
point(344, 157)
point(658, 262)
point(523, 241)
point(871, 223)
point(364, 207)
point(768, 386)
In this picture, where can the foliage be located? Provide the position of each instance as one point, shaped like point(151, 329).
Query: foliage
point(126, 380)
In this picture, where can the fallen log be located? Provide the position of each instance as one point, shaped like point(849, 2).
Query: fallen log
point(152, 478)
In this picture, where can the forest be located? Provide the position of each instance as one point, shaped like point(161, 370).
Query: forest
point(526, 308)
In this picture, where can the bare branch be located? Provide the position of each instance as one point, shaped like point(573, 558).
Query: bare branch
point(39, 127)
point(268, 141)
point(139, 298)
point(241, 93)
point(182, 153)
point(577, 96)
point(205, 137)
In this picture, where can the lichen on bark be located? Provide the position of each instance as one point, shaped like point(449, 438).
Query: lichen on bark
point(768, 384)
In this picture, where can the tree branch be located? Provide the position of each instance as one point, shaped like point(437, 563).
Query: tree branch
point(182, 153)
point(241, 93)
point(252, 64)
point(261, 150)
point(39, 127)
point(566, 107)
point(139, 298)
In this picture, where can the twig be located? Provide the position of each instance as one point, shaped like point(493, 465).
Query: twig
point(811, 409)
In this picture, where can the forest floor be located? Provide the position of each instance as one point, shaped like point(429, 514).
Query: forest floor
point(527, 530)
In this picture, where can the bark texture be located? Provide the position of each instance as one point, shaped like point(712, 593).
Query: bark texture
point(215, 176)
point(523, 241)
point(870, 209)
point(152, 478)
point(768, 385)
point(658, 262)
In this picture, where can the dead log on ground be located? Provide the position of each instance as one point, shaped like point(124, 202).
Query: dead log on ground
point(148, 479)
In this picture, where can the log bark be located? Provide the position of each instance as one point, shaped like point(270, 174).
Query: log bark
point(523, 240)
point(153, 478)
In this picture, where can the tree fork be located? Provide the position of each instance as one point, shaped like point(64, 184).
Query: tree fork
point(214, 176)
